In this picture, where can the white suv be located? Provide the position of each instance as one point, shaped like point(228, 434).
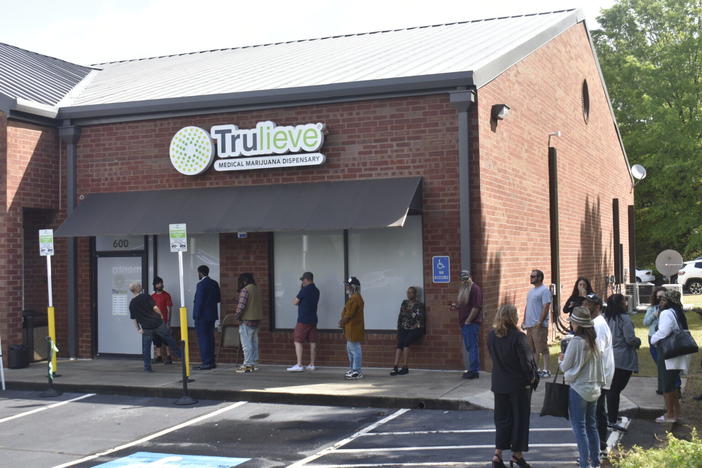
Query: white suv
point(691, 277)
point(645, 276)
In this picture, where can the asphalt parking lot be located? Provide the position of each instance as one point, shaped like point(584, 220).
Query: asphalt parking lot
point(85, 430)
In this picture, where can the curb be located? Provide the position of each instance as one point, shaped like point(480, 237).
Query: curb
point(258, 397)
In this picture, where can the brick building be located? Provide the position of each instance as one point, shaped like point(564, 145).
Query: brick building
point(397, 147)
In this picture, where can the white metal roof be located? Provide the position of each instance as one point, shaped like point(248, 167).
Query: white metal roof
point(483, 47)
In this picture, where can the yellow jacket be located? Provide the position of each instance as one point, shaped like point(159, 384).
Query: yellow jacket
point(352, 318)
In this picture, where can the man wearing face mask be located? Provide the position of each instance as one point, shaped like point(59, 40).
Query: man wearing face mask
point(164, 303)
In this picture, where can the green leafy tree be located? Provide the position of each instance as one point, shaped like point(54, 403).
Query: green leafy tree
point(651, 56)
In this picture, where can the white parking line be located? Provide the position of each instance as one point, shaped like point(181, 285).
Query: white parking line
point(444, 447)
point(47, 407)
point(347, 440)
point(462, 431)
point(154, 436)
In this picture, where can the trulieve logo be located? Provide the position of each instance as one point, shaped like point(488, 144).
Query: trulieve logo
point(190, 155)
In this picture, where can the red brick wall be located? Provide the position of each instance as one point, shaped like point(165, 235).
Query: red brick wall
point(511, 198)
point(30, 179)
point(374, 139)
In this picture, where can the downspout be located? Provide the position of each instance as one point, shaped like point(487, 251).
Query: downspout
point(69, 135)
point(462, 100)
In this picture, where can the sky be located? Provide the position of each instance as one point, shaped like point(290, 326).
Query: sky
point(96, 31)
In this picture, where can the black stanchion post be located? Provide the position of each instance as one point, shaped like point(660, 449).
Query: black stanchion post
point(51, 391)
point(185, 399)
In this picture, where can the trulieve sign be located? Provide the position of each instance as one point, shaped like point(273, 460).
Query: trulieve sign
point(193, 149)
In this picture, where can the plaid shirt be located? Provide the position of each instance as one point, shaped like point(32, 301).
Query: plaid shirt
point(241, 305)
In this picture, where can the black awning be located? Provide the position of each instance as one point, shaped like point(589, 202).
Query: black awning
point(358, 204)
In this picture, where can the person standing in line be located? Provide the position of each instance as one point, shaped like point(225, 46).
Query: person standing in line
point(205, 314)
point(604, 342)
point(581, 289)
point(306, 327)
point(624, 343)
point(248, 315)
point(670, 319)
point(535, 322)
point(149, 322)
point(514, 377)
point(651, 321)
point(469, 304)
point(583, 371)
point(410, 327)
point(354, 328)
point(164, 303)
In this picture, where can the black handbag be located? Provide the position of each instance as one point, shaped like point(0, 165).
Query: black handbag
point(678, 343)
point(556, 398)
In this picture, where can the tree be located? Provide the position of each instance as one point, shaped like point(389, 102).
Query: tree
point(650, 52)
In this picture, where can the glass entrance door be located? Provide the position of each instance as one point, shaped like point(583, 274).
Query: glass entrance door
point(116, 331)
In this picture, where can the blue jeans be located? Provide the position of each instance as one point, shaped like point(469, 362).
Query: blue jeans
point(353, 349)
point(470, 334)
point(583, 419)
point(249, 343)
point(162, 332)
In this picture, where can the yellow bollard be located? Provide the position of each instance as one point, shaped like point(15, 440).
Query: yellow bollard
point(184, 337)
point(52, 333)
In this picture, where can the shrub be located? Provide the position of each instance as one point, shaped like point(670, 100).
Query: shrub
point(677, 453)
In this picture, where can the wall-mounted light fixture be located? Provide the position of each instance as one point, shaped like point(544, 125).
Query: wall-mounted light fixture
point(499, 111)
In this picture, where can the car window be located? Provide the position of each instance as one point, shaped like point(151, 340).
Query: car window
point(698, 265)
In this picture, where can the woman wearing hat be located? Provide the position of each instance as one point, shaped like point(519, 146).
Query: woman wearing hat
point(670, 319)
point(624, 343)
point(354, 328)
point(583, 371)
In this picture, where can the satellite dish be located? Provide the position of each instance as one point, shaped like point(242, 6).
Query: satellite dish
point(638, 172)
point(669, 262)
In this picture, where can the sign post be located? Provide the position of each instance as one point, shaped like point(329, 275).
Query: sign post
point(179, 243)
point(46, 249)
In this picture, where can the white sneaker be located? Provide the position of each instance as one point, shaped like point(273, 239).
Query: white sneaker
point(310, 367)
point(296, 368)
point(348, 373)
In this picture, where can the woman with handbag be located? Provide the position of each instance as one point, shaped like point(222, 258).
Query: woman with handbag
point(513, 381)
point(670, 320)
point(624, 344)
point(583, 370)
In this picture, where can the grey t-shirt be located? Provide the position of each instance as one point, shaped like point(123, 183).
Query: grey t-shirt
point(536, 299)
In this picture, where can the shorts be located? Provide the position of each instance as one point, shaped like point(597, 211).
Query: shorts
point(407, 337)
point(538, 339)
point(305, 333)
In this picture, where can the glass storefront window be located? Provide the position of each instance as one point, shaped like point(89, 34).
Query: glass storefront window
point(203, 249)
point(386, 262)
point(322, 253)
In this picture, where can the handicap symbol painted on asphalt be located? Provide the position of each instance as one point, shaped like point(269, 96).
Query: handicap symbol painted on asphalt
point(169, 460)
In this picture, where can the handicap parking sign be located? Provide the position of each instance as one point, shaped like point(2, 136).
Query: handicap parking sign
point(441, 269)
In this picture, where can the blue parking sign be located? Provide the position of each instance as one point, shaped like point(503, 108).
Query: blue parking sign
point(441, 269)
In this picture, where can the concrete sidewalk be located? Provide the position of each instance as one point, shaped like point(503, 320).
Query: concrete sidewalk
point(326, 386)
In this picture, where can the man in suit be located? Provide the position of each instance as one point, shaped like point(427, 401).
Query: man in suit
point(205, 314)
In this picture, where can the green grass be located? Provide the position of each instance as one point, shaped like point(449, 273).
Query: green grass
point(647, 368)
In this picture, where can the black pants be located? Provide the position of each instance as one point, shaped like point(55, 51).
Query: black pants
point(512, 412)
point(602, 419)
point(621, 378)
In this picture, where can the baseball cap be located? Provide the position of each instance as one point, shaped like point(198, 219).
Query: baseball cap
point(353, 280)
point(465, 274)
point(594, 298)
point(307, 276)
